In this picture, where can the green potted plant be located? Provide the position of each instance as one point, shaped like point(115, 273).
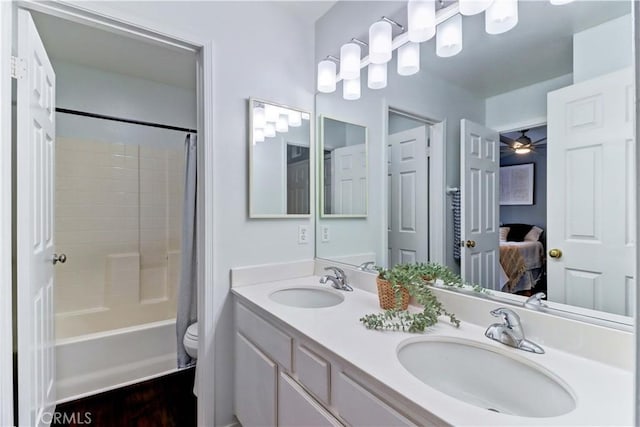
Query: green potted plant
point(400, 282)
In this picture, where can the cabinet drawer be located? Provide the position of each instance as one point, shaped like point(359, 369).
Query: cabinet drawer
point(313, 372)
point(296, 408)
point(268, 338)
point(358, 407)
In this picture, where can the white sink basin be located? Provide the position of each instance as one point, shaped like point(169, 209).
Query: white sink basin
point(482, 376)
point(307, 297)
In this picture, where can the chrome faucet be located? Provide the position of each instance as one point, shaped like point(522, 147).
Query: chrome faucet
point(535, 302)
point(339, 281)
point(510, 332)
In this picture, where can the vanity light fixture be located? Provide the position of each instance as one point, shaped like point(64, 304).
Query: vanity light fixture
point(259, 118)
point(377, 76)
point(282, 125)
point(258, 136)
point(449, 37)
point(473, 7)
point(271, 113)
point(408, 59)
point(421, 18)
point(351, 89)
point(350, 61)
point(327, 75)
point(501, 16)
point(559, 2)
point(295, 118)
point(380, 39)
point(269, 130)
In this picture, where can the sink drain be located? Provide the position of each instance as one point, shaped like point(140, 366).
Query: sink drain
point(493, 410)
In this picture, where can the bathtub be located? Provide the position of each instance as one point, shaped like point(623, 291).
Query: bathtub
point(93, 363)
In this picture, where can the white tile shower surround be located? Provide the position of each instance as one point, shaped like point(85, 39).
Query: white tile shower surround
point(118, 219)
point(579, 353)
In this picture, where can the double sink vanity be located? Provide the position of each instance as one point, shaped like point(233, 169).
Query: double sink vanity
point(304, 358)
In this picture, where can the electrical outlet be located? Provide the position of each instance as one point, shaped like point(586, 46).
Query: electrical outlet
point(324, 231)
point(303, 234)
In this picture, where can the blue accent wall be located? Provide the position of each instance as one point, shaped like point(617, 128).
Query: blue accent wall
point(535, 214)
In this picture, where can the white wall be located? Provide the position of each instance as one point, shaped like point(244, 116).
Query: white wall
point(602, 49)
point(246, 63)
point(522, 107)
point(422, 94)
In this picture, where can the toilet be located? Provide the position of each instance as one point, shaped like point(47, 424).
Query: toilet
point(191, 347)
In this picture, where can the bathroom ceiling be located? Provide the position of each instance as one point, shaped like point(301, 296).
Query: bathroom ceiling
point(83, 45)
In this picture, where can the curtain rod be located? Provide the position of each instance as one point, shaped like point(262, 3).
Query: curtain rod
point(118, 119)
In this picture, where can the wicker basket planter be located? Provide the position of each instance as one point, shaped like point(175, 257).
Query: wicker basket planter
point(387, 296)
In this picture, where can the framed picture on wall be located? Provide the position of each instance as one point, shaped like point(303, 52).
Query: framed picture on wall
point(516, 184)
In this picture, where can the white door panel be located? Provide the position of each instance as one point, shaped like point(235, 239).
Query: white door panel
point(408, 189)
point(349, 180)
point(35, 219)
point(479, 168)
point(591, 152)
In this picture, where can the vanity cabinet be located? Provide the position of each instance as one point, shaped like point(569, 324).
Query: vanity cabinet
point(287, 380)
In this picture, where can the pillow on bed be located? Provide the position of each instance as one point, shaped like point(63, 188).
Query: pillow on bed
point(534, 234)
point(517, 232)
point(504, 231)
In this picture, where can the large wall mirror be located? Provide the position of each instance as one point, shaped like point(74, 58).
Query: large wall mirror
point(279, 160)
point(343, 162)
point(549, 106)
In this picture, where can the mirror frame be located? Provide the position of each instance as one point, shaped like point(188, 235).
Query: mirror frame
point(252, 213)
point(320, 179)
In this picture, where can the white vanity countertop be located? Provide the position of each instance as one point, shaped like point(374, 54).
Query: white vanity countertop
point(603, 394)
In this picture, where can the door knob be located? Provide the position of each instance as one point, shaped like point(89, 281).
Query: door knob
point(62, 258)
point(471, 243)
point(555, 253)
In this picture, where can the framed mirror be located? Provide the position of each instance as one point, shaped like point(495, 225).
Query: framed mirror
point(280, 158)
point(551, 109)
point(344, 169)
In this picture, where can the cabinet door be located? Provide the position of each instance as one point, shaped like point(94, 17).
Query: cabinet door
point(297, 408)
point(256, 385)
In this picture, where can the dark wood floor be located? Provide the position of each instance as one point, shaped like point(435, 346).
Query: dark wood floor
point(167, 401)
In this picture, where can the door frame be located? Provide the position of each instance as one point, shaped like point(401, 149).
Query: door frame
point(204, 51)
point(437, 181)
point(6, 269)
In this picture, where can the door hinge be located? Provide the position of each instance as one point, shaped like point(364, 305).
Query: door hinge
point(428, 151)
point(18, 68)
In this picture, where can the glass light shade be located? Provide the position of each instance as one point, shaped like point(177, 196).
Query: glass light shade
point(473, 7)
point(409, 59)
point(269, 130)
point(377, 76)
point(258, 135)
point(559, 2)
point(295, 118)
point(351, 89)
point(501, 16)
point(282, 125)
point(326, 76)
point(259, 118)
point(271, 113)
point(449, 37)
point(350, 61)
point(421, 20)
point(380, 42)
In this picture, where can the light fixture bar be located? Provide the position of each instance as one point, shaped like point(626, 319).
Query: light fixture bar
point(391, 21)
point(402, 39)
point(360, 42)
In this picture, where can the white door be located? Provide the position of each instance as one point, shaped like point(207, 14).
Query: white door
point(479, 168)
point(35, 211)
point(591, 194)
point(408, 201)
point(349, 180)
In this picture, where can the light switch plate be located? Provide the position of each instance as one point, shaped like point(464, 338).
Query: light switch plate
point(303, 234)
point(324, 231)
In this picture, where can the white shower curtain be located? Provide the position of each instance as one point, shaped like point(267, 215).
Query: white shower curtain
point(187, 288)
